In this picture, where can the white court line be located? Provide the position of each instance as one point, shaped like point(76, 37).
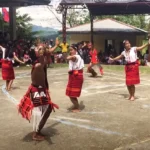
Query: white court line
point(103, 86)
point(70, 123)
point(28, 76)
point(87, 112)
point(107, 91)
point(108, 132)
point(102, 92)
point(73, 119)
point(123, 76)
point(67, 122)
point(133, 144)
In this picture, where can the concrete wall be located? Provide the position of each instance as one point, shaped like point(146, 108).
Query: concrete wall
point(99, 39)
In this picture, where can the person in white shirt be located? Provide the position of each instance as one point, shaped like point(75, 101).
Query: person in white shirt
point(75, 81)
point(131, 67)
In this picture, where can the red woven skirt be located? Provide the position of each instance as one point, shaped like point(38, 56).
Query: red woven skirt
point(75, 82)
point(7, 70)
point(132, 74)
point(34, 97)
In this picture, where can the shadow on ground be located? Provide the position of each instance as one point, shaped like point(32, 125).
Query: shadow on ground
point(48, 132)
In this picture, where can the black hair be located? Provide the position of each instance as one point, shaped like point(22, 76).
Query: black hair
point(124, 42)
point(75, 47)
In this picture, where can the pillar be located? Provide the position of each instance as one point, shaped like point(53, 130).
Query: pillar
point(92, 29)
point(12, 24)
point(64, 16)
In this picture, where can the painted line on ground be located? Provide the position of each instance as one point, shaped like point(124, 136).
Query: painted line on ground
point(89, 127)
point(67, 122)
point(8, 95)
point(133, 144)
point(86, 112)
point(73, 119)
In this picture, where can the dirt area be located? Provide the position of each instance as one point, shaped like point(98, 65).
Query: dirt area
point(108, 120)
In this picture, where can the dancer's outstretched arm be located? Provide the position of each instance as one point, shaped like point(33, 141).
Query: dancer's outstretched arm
point(56, 45)
point(116, 58)
point(18, 60)
point(143, 46)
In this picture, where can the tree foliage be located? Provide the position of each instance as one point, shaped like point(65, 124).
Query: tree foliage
point(78, 17)
point(23, 26)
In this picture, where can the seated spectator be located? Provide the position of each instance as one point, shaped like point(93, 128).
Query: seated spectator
point(146, 57)
point(26, 58)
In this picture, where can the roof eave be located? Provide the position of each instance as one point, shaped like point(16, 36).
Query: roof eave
point(108, 32)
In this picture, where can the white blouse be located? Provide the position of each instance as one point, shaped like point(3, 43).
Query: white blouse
point(130, 56)
point(4, 51)
point(77, 65)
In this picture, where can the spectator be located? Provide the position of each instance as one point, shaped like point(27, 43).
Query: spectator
point(64, 46)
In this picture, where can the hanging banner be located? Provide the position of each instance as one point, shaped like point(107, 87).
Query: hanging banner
point(55, 3)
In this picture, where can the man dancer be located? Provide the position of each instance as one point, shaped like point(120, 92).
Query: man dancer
point(94, 61)
point(37, 96)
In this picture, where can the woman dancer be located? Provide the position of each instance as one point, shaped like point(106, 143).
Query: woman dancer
point(131, 67)
point(7, 66)
point(94, 61)
point(75, 81)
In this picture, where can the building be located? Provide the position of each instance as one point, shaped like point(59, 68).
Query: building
point(107, 32)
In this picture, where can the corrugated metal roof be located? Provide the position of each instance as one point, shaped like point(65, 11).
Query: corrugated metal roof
point(7, 3)
point(112, 7)
point(100, 1)
point(106, 25)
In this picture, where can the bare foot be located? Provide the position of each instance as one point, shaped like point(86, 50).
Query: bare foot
point(41, 134)
point(76, 110)
point(71, 108)
point(132, 98)
point(129, 98)
point(37, 137)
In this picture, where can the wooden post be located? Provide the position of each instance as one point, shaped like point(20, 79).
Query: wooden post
point(64, 15)
point(92, 29)
point(148, 48)
point(12, 24)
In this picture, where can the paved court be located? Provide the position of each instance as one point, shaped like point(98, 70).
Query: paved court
point(108, 121)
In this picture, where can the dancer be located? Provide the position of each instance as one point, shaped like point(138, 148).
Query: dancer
point(131, 67)
point(37, 97)
point(94, 61)
point(7, 66)
point(75, 82)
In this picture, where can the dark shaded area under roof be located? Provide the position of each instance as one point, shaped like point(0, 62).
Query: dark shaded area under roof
point(110, 31)
point(8, 3)
point(113, 7)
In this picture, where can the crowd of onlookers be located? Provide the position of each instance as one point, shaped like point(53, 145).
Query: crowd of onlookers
point(25, 50)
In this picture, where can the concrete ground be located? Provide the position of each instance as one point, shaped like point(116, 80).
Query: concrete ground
point(108, 120)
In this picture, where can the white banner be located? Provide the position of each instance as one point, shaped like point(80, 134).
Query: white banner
point(55, 3)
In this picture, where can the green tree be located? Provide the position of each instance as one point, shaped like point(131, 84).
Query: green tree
point(78, 17)
point(23, 26)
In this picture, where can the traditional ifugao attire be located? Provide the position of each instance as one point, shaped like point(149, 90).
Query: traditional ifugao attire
point(38, 101)
point(131, 67)
point(7, 67)
point(75, 81)
point(94, 61)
